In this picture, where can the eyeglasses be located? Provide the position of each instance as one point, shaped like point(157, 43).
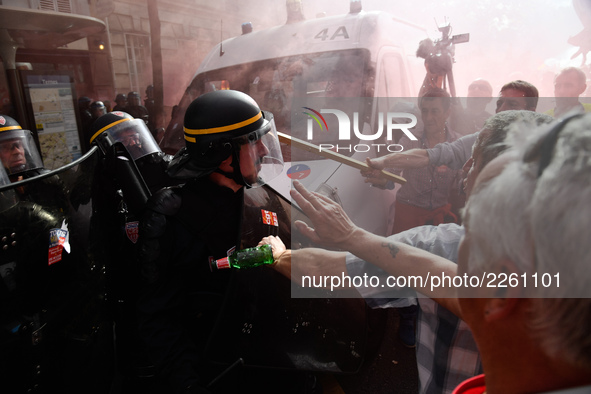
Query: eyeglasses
point(544, 149)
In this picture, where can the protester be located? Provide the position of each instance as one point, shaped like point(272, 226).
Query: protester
point(569, 84)
point(515, 95)
point(470, 120)
point(424, 198)
point(446, 352)
point(544, 334)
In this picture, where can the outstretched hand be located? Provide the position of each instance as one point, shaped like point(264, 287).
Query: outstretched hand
point(331, 224)
point(372, 175)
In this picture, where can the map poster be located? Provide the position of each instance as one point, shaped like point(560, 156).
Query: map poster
point(52, 103)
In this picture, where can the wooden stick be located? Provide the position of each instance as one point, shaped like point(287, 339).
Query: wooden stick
point(297, 143)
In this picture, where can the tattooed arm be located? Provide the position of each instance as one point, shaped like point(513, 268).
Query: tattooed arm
point(334, 228)
point(294, 264)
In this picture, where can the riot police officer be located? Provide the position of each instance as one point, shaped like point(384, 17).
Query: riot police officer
point(150, 105)
point(230, 144)
point(47, 281)
point(97, 109)
point(130, 168)
point(84, 113)
point(135, 107)
point(120, 102)
point(118, 126)
point(18, 152)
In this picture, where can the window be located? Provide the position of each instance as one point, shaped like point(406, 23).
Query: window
point(138, 56)
point(393, 77)
point(56, 5)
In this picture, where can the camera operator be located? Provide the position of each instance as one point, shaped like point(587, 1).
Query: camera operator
point(439, 59)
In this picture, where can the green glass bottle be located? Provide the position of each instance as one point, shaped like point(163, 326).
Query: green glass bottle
point(245, 258)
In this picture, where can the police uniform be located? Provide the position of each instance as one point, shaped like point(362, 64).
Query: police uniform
point(131, 166)
point(181, 296)
point(185, 227)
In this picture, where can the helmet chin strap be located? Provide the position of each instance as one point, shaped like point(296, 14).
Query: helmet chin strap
point(18, 168)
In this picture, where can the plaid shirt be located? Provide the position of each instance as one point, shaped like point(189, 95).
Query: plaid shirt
point(446, 352)
point(426, 187)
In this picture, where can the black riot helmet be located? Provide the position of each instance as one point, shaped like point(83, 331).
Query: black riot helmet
point(133, 98)
point(118, 126)
point(84, 102)
point(227, 123)
point(97, 109)
point(121, 99)
point(18, 151)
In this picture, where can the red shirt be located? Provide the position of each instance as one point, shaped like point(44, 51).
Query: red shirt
point(473, 385)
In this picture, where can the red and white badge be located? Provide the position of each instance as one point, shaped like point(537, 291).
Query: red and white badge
point(2, 120)
point(57, 241)
point(270, 218)
point(132, 229)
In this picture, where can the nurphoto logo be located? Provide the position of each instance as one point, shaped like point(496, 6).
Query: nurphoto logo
point(387, 122)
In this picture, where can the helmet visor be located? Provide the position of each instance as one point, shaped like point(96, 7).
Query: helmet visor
point(7, 197)
point(135, 136)
point(260, 154)
point(18, 152)
point(4, 180)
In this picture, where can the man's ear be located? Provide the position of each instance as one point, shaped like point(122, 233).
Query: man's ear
point(499, 308)
point(508, 293)
point(226, 165)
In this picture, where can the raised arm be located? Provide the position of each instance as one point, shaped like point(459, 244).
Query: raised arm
point(333, 227)
point(412, 158)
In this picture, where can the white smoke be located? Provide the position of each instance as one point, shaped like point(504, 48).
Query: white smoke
point(509, 40)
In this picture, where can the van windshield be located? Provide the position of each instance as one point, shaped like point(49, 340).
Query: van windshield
point(276, 84)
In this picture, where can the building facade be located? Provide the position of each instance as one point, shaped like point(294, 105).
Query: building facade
point(119, 59)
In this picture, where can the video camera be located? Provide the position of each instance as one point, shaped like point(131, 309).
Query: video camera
point(439, 54)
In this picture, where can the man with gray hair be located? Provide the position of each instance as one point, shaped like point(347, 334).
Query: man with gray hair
point(446, 351)
point(525, 220)
point(536, 210)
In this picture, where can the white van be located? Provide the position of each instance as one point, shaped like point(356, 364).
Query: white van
point(360, 54)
